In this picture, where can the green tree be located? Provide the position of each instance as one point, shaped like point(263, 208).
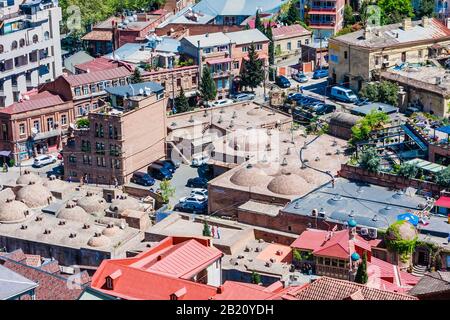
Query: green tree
point(258, 23)
point(82, 123)
point(408, 170)
point(208, 89)
point(394, 11)
point(425, 8)
point(370, 160)
point(374, 120)
point(206, 230)
point(269, 35)
point(384, 91)
point(293, 14)
point(442, 177)
point(361, 273)
point(181, 102)
point(136, 77)
point(167, 191)
point(247, 27)
point(256, 278)
point(253, 72)
point(349, 18)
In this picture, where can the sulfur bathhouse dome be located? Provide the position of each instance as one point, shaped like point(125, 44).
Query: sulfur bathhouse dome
point(54, 184)
point(34, 195)
point(92, 203)
point(249, 140)
point(28, 177)
point(250, 176)
point(288, 184)
point(111, 230)
point(99, 240)
point(72, 212)
point(124, 202)
point(13, 211)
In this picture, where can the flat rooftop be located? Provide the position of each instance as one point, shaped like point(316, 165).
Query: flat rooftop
point(278, 172)
point(369, 205)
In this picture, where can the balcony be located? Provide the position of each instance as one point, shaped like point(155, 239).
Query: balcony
point(322, 24)
point(221, 74)
point(322, 10)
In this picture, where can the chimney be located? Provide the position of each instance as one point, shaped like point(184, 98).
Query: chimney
point(220, 289)
point(426, 22)
point(406, 24)
point(367, 33)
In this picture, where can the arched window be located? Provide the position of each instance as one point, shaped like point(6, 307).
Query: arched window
point(14, 45)
point(46, 35)
point(1, 48)
point(21, 43)
point(35, 38)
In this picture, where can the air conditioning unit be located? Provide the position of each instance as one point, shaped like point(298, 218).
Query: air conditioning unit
point(364, 231)
point(322, 215)
point(372, 233)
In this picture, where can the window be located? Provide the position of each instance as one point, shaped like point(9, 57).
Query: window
point(72, 159)
point(194, 80)
point(96, 129)
point(341, 264)
point(81, 111)
point(236, 65)
point(116, 134)
point(115, 163)
point(36, 125)
point(288, 46)
point(320, 260)
point(35, 38)
point(22, 128)
point(87, 107)
point(244, 49)
point(377, 61)
point(46, 35)
point(64, 119)
point(77, 91)
point(306, 41)
point(122, 82)
point(1, 48)
point(49, 124)
point(207, 50)
point(299, 44)
point(345, 54)
point(100, 148)
point(420, 53)
point(334, 262)
point(14, 45)
point(85, 90)
point(22, 43)
point(178, 83)
point(100, 131)
point(259, 47)
point(5, 131)
point(93, 88)
point(100, 86)
point(327, 261)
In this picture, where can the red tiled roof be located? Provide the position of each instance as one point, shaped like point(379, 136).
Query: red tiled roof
point(98, 35)
point(289, 31)
point(327, 288)
point(33, 260)
point(99, 64)
point(86, 78)
point(51, 287)
point(16, 255)
point(39, 101)
point(232, 290)
point(51, 267)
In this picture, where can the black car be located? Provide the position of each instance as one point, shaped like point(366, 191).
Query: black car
point(142, 179)
point(325, 109)
point(197, 183)
point(282, 82)
point(166, 164)
point(56, 171)
point(189, 208)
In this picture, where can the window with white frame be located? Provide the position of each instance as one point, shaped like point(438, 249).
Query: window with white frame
point(22, 128)
point(63, 119)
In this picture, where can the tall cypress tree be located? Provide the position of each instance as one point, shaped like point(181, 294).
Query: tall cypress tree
point(181, 102)
point(253, 72)
point(271, 45)
point(136, 76)
point(293, 14)
point(208, 89)
point(206, 232)
point(258, 23)
point(361, 273)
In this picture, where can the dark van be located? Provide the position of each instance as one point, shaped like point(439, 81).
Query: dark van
point(166, 164)
point(159, 172)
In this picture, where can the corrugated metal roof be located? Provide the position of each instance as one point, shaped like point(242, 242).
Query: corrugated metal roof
point(246, 36)
point(289, 31)
point(39, 101)
point(86, 78)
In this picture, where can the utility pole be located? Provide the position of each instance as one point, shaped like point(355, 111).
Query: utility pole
point(18, 158)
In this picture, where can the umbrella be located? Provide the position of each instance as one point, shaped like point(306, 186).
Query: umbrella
point(413, 219)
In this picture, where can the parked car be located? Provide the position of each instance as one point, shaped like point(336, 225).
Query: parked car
point(169, 166)
point(410, 110)
point(197, 183)
point(199, 159)
point(194, 198)
point(43, 160)
point(159, 172)
point(56, 171)
point(295, 96)
point(300, 77)
point(321, 73)
point(282, 82)
point(343, 94)
point(302, 116)
point(244, 97)
point(313, 106)
point(200, 192)
point(221, 103)
point(175, 163)
point(192, 207)
point(142, 179)
point(325, 109)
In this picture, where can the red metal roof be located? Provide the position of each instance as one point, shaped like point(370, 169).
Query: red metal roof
point(98, 64)
point(38, 101)
point(98, 35)
point(289, 31)
point(96, 76)
point(443, 202)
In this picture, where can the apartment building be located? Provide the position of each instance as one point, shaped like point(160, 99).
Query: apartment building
point(124, 136)
point(223, 54)
point(324, 17)
point(357, 57)
point(87, 90)
point(288, 41)
point(35, 126)
point(30, 49)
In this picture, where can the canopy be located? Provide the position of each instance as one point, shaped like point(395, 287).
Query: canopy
point(5, 153)
point(426, 165)
point(445, 129)
point(443, 202)
point(413, 219)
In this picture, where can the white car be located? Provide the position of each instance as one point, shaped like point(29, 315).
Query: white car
point(200, 159)
point(199, 192)
point(43, 160)
point(193, 198)
point(222, 103)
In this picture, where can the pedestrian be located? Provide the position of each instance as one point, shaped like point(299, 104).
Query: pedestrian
point(332, 182)
point(301, 89)
point(5, 167)
point(116, 183)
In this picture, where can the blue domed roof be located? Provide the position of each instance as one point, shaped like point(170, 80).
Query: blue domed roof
point(351, 223)
point(355, 256)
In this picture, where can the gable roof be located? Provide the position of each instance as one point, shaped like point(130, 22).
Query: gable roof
point(220, 38)
point(97, 76)
point(433, 282)
point(76, 59)
point(247, 36)
point(327, 288)
point(98, 64)
point(13, 284)
point(289, 31)
point(41, 100)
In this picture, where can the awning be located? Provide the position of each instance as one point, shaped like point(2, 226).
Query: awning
point(413, 219)
point(443, 202)
point(4, 153)
point(426, 165)
point(47, 134)
point(260, 56)
point(217, 61)
point(445, 129)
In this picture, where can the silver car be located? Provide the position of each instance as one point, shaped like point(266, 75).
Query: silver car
point(244, 97)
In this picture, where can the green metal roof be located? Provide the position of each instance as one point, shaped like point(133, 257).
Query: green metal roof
point(426, 165)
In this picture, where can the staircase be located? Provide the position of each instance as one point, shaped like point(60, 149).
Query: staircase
point(418, 270)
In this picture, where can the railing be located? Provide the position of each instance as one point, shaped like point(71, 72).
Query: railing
point(324, 9)
point(322, 23)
